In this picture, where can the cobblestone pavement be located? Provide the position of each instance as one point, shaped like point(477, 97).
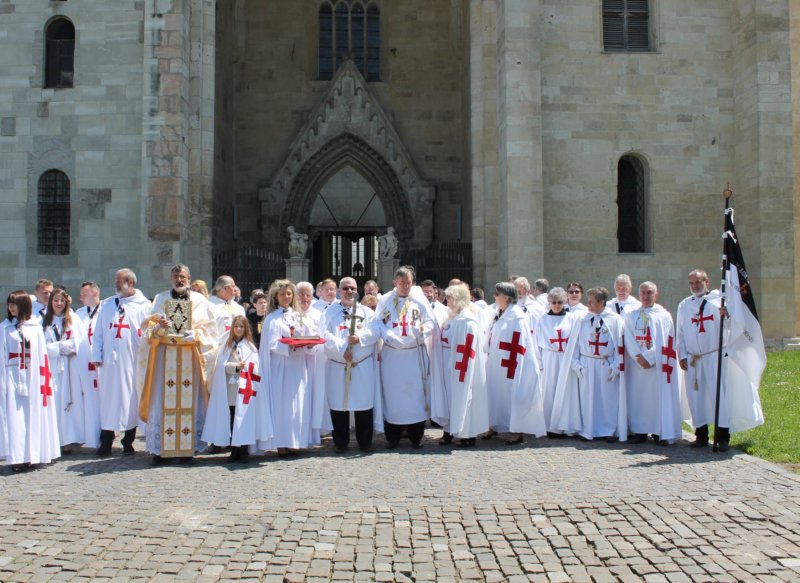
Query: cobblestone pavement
point(547, 511)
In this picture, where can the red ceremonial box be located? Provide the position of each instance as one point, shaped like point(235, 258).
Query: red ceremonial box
point(302, 341)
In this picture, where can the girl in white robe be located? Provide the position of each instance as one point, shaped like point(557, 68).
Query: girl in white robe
point(64, 334)
point(289, 372)
point(238, 411)
point(512, 372)
point(26, 388)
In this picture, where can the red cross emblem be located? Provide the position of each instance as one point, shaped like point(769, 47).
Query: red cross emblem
point(514, 348)
point(647, 339)
point(561, 340)
point(597, 344)
point(46, 389)
point(701, 320)
point(23, 354)
point(343, 327)
point(68, 334)
point(468, 352)
point(670, 353)
point(90, 334)
point(622, 357)
point(119, 326)
point(249, 376)
point(93, 368)
point(403, 324)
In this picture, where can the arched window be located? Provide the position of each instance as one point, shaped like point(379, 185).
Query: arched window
point(631, 198)
point(53, 213)
point(59, 66)
point(350, 29)
point(626, 25)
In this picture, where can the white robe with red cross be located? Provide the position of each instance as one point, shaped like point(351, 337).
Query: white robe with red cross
point(91, 383)
point(552, 337)
point(512, 376)
point(655, 404)
point(252, 422)
point(115, 344)
point(68, 361)
point(26, 387)
point(464, 366)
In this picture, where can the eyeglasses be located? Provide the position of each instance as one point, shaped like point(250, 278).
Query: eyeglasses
point(557, 302)
point(574, 291)
point(349, 289)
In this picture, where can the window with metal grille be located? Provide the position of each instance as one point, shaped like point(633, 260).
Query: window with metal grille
point(631, 198)
point(53, 213)
point(59, 67)
point(350, 29)
point(626, 25)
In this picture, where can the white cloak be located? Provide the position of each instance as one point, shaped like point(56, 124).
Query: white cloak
point(29, 397)
point(364, 391)
point(115, 345)
point(252, 422)
point(552, 337)
point(91, 383)
point(69, 380)
point(512, 376)
point(464, 365)
point(655, 403)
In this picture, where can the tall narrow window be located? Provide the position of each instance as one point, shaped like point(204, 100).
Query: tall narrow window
point(53, 213)
point(626, 25)
point(349, 29)
point(631, 218)
point(59, 66)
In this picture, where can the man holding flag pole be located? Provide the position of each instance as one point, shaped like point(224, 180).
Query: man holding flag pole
point(743, 359)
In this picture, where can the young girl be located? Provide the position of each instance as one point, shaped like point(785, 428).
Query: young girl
point(26, 388)
point(64, 333)
point(238, 411)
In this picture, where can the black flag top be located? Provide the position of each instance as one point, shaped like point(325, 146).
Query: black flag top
point(744, 355)
point(733, 253)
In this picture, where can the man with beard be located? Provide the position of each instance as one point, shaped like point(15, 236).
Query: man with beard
point(115, 342)
point(180, 340)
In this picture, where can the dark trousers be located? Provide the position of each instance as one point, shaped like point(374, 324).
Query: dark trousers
point(107, 438)
point(341, 428)
point(415, 431)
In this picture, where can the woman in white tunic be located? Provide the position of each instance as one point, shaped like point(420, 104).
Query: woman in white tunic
point(574, 297)
point(238, 411)
point(289, 371)
point(512, 372)
point(26, 388)
point(552, 336)
point(64, 334)
point(464, 366)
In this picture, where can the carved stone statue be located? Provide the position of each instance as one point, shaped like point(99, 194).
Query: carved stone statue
point(298, 243)
point(387, 244)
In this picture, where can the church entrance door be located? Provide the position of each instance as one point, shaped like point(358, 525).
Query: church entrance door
point(338, 254)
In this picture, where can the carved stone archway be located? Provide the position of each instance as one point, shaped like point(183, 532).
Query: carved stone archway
point(349, 127)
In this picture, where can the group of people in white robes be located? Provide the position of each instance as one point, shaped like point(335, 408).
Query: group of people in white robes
point(615, 368)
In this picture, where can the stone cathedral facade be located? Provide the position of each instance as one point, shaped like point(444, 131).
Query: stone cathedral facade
point(570, 139)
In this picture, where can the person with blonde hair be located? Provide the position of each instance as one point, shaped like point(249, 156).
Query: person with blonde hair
point(290, 373)
point(463, 370)
point(200, 286)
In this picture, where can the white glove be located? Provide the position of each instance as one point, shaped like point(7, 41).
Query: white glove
point(65, 348)
point(189, 336)
point(577, 369)
point(613, 373)
point(230, 368)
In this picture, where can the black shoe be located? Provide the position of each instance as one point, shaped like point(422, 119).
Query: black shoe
point(723, 446)
point(611, 439)
point(663, 442)
point(637, 438)
point(699, 443)
point(416, 444)
point(468, 442)
point(655, 437)
point(392, 444)
point(366, 448)
point(446, 439)
point(127, 449)
point(244, 453)
point(554, 435)
point(339, 449)
point(103, 451)
point(488, 435)
point(158, 460)
point(214, 449)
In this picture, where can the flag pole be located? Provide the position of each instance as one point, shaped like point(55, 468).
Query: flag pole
point(727, 193)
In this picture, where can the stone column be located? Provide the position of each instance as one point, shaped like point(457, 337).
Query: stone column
point(297, 269)
point(386, 268)
point(519, 135)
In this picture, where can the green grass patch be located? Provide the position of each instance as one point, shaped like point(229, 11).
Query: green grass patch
point(778, 440)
